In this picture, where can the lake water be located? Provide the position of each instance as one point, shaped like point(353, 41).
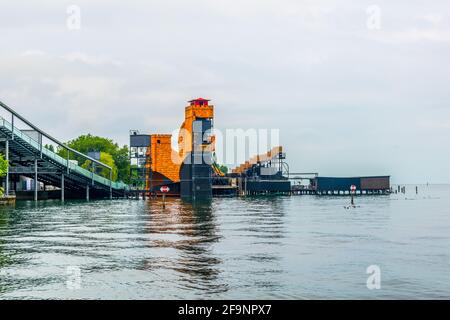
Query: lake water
point(299, 247)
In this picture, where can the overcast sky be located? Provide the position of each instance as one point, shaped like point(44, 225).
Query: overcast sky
point(351, 94)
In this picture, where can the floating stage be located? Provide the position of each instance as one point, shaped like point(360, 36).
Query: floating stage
point(196, 176)
point(190, 172)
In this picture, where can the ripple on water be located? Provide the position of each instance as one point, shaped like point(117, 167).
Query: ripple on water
point(279, 247)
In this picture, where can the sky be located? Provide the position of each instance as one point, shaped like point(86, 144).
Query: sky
point(354, 87)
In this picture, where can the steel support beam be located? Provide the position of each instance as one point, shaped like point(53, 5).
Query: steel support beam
point(35, 180)
point(62, 186)
point(110, 184)
point(7, 168)
point(68, 153)
point(28, 170)
point(93, 170)
point(40, 143)
point(12, 126)
point(87, 192)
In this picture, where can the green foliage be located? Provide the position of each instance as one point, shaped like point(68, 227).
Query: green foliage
point(88, 142)
point(3, 170)
point(119, 155)
point(135, 179)
point(122, 161)
point(3, 166)
point(107, 159)
point(223, 168)
point(49, 147)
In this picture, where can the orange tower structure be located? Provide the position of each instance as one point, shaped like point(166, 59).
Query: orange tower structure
point(198, 109)
point(165, 166)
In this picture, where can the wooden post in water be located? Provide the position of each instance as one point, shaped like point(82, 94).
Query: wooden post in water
point(62, 186)
point(245, 184)
point(7, 167)
point(352, 192)
point(110, 184)
point(36, 185)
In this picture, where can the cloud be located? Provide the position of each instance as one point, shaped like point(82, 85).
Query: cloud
point(32, 53)
point(90, 60)
point(415, 35)
point(435, 124)
point(335, 89)
point(87, 87)
point(409, 25)
point(433, 18)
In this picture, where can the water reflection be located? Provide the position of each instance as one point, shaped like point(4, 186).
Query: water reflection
point(191, 229)
point(5, 258)
point(258, 226)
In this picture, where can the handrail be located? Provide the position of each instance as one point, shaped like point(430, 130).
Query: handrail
point(4, 106)
point(52, 155)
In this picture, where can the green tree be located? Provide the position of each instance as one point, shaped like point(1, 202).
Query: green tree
point(49, 147)
point(3, 170)
point(107, 159)
point(87, 143)
point(122, 161)
point(223, 168)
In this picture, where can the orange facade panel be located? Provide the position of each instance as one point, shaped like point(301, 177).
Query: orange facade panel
point(163, 168)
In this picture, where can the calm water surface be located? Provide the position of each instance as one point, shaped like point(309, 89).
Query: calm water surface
point(298, 247)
